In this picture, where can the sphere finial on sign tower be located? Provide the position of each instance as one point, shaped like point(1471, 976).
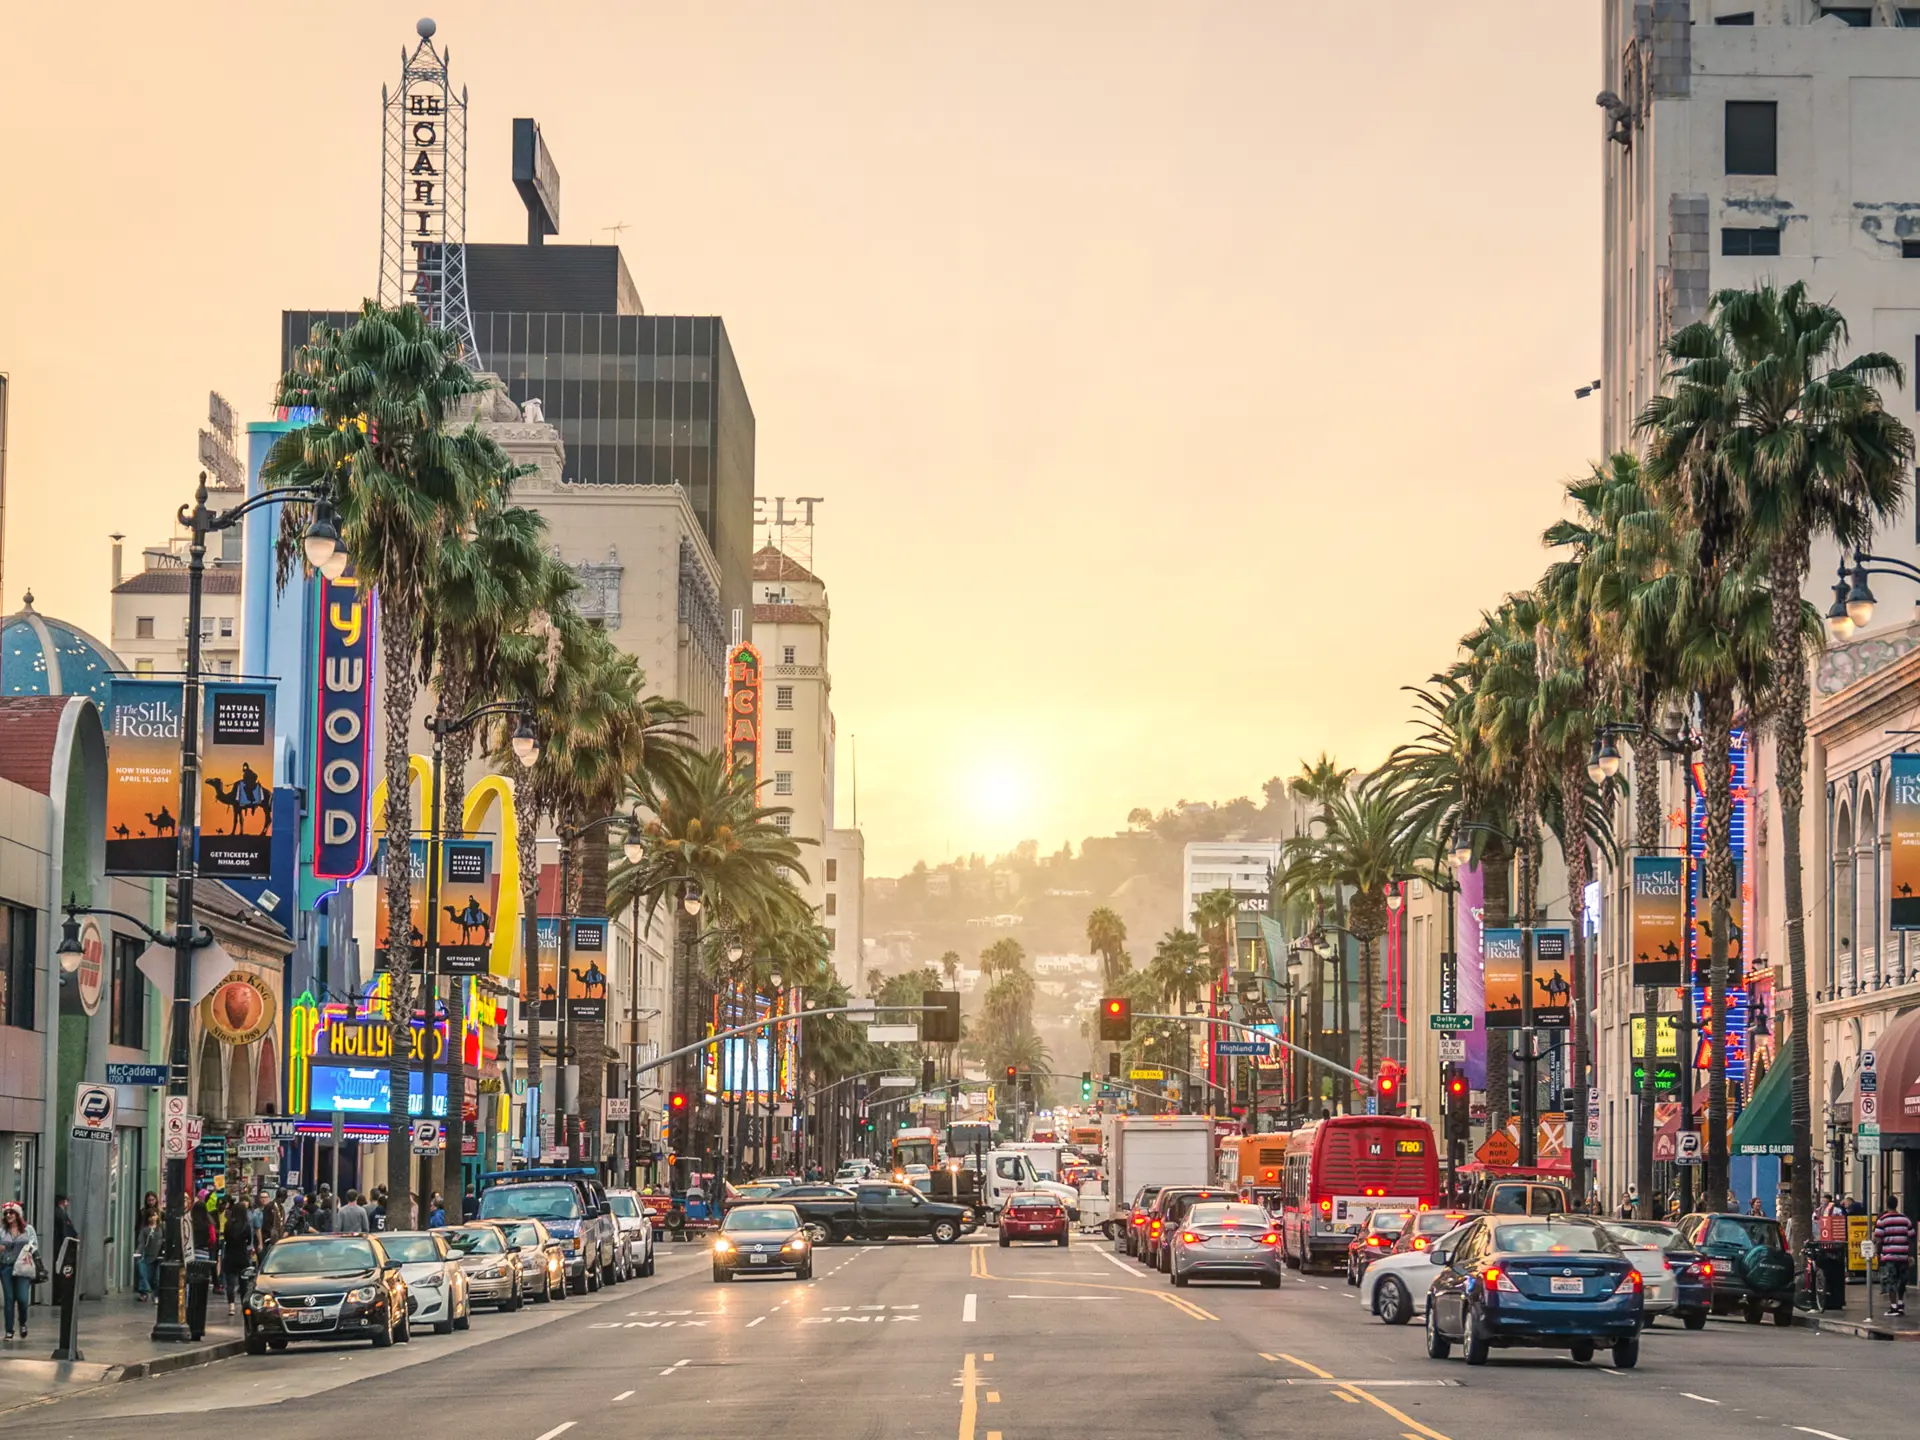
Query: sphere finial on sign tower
point(425, 27)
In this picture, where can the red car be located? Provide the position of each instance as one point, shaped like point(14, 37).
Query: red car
point(1375, 1239)
point(1033, 1216)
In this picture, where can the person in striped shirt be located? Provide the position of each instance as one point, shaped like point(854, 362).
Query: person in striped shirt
point(1893, 1236)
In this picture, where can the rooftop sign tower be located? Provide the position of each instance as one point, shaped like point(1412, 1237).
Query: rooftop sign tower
point(423, 194)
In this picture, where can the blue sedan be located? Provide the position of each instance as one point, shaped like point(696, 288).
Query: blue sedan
point(1554, 1282)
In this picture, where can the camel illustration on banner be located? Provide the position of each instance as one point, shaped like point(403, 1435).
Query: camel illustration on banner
point(242, 798)
point(470, 917)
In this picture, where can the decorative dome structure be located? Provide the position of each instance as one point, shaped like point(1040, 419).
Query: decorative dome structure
point(40, 655)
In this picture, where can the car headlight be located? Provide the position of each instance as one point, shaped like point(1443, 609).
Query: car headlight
point(263, 1300)
point(966, 1215)
point(363, 1295)
point(493, 1272)
point(799, 1242)
point(432, 1282)
point(722, 1247)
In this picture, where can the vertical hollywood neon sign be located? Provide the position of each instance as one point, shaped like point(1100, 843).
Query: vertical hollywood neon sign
point(343, 729)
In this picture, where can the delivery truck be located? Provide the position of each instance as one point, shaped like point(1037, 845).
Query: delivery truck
point(1154, 1150)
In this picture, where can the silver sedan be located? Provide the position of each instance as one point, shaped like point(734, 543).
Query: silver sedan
point(1226, 1242)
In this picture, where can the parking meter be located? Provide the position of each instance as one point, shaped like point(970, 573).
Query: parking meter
point(66, 1268)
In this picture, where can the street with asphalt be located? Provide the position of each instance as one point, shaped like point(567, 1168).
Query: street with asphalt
point(908, 1339)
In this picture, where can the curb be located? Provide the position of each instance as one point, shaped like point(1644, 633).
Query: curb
point(185, 1360)
point(1858, 1329)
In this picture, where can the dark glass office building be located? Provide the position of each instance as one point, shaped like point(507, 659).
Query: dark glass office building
point(638, 399)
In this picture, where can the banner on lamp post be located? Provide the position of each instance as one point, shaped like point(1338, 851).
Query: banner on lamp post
point(1659, 925)
point(1552, 989)
point(236, 766)
point(1500, 950)
point(1903, 821)
point(143, 777)
point(469, 891)
point(586, 977)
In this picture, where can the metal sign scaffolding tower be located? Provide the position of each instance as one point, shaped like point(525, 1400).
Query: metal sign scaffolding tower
point(423, 192)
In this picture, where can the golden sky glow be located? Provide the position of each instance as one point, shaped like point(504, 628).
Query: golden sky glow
point(1182, 378)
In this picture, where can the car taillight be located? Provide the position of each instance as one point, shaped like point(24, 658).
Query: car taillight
point(1498, 1279)
point(1375, 1240)
point(1419, 1242)
point(1156, 1227)
point(1270, 1238)
point(1630, 1283)
point(1139, 1217)
point(1705, 1267)
point(1326, 1207)
point(1189, 1237)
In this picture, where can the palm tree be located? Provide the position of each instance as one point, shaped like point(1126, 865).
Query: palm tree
point(1003, 957)
point(950, 967)
point(1107, 938)
point(1178, 976)
point(381, 393)
point(1814, 452)
point(1362, 843)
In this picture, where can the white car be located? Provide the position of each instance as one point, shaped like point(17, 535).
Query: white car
point(855, 1170)
point(436, 1285)
point(1644, 1243)
point(634, 1226)
point(1395, 1287)
point(918, 1176)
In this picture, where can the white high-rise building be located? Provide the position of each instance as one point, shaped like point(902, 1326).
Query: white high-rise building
point(1246, 867)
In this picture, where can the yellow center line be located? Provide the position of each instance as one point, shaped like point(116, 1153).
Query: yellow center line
point(969, 1407)
point(1352, 1392)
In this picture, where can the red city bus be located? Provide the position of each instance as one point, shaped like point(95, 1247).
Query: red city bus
point(1341, 1169)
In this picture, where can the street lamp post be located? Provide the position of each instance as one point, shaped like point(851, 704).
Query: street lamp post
point(324, 552)
point(1604, 765)
point(566, 1124)
point(526, 749)
point(1461, 854)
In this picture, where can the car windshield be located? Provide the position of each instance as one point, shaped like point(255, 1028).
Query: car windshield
point(481, 1240)
point(1744, 1231)
point(318, 1257)
point(1550, 1240)
point(763, 1217)
point(520, 1232)
point(1652, 1233)
point(410, 1249)
point(1388, 1219)
point(1215, 1214)
point(624, 1205)
point(531, 1202)
point(1436, 1222)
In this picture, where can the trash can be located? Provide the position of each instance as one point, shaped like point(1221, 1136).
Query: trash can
point(199, 1281)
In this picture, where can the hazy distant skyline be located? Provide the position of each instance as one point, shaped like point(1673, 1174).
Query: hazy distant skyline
point(1182, 379)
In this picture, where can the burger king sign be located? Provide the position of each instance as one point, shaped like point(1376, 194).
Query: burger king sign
point(240, 1009)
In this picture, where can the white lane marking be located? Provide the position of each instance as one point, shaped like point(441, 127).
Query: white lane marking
point(1060, 1297)
point(755, 1321)
point(558, 1430)
point(668, 1371)
point(1823, 1434)
point(968, 1308)
point(1704, 1400)
point(623, 1395)
point(1115, 1259)
point(1609, 1370)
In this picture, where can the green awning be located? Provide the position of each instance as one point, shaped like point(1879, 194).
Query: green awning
point(1765, 1127)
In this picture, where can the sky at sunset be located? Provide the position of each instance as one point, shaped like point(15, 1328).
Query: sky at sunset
point(1182, 378)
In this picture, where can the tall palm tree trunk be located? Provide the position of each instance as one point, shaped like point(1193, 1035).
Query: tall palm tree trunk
point(399, 627)
point(1646, 830)
point(1716, 713)
point(1790, 756)
point(1579, 863)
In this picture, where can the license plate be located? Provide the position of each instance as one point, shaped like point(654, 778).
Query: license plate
point(305, 1317)
point(756, 1259)
point(1569, 1285)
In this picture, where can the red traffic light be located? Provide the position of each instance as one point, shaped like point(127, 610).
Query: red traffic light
point(677, 1101)
point(1116, 1018)
point(1013, 1072)
point(1457, 1085)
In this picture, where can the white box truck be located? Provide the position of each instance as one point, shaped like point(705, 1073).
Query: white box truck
point(1153, 1150)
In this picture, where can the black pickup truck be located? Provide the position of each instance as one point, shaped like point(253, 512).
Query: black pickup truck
point(875, 1212)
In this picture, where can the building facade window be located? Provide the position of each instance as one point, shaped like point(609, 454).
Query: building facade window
point(833, 866)
point(145, 667)
point(786, 655)
point(226, 668)
point(833, 908)
point(16, 965)
point(143, 627)
point(782, 782)
point(226, 633)
point(783, 697)
point(1858, 16)
point(833, 939)
point(1747, 240)
point(1753, 137)
point(783, 742)
point(785, 822)
point(128, 1022)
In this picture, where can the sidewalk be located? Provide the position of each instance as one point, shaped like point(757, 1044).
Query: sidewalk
point(113, 1339)
point(1853, 1321)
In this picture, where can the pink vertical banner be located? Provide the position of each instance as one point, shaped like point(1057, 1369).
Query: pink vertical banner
point(1471, 899)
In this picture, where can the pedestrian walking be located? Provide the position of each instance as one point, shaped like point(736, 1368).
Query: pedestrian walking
point(351, 1218)
point(1893, 1241)
point(19, 1267)
point(377, 1212)
point(1753, 1206)
point(149, 1239)
point(436, 1212)
point(469, 1205)
point(236, 1252)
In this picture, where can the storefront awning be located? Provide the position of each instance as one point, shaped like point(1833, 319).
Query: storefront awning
point(1765, 1127)
point(1896, 1066)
